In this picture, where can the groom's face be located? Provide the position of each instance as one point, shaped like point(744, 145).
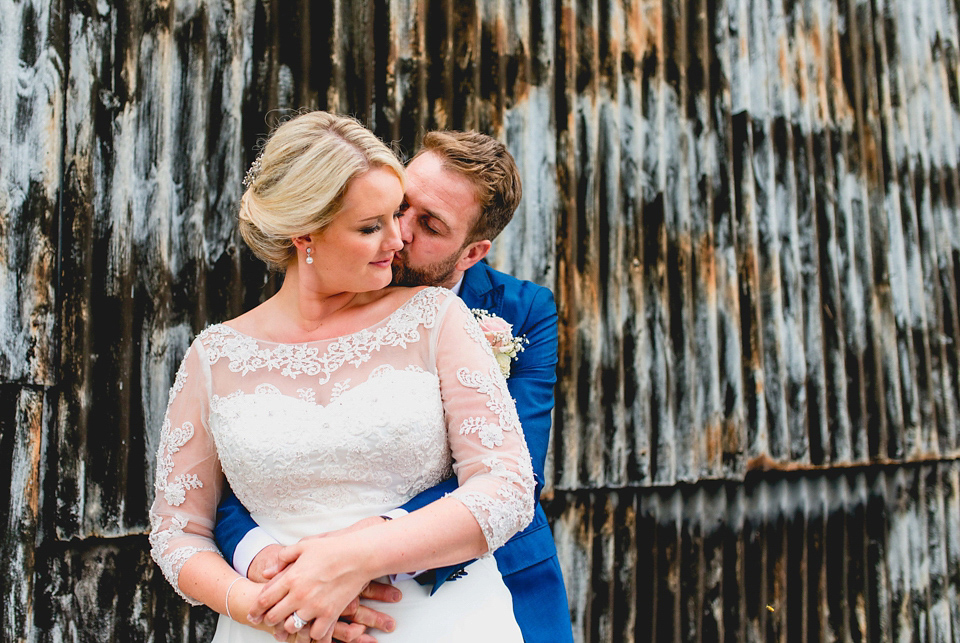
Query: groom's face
point(439, 209)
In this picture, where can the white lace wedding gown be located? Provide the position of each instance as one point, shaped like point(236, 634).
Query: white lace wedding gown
point(315, 436)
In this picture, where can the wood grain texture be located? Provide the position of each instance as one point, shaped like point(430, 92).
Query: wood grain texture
point(749, 212)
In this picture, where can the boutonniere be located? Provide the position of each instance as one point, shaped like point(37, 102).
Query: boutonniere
point(499, 334)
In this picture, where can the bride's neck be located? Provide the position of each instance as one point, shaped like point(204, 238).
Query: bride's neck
point(306, 308)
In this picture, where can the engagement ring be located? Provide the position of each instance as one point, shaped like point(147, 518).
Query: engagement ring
point(298, 622)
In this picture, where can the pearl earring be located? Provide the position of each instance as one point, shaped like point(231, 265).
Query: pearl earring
point(309, 258)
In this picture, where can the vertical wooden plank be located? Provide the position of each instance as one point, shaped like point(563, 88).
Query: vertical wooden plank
point(713, 512)
point(90, 102)
point(844, 72)
point(792, 199)
point(947, 204)
point(795, 604)
point(829, 218)
point(573, 533)
point(633, 190)
point(669, 513)
point(920, 41)
point(906, 285)
point(689, 579)
point(817, 509)
point(815, 414)
point(745, 233)
point(780, 493)
point(527, 248)
point(907, 578)
point(708, 415)
point(626, 626)
point(32, 49)
point(870, 250)
point(589, 168)
point(858, 599)
point(610, 258)
point(754, 561)
point(647, 571)
point(729, 341)
point(936, 518)
point(897, 392)
point(663, 462)
point(23, 438)
point(676, 285)
point(951, 519)
point(766, 105)
point(878, 583)
point(607, 604)
point(566, 417)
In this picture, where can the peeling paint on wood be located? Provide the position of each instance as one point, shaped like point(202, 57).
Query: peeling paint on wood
point(749, 213)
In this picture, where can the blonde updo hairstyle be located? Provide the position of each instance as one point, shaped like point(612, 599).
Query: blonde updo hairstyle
point(297, 185)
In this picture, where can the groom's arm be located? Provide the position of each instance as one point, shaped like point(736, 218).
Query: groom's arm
point(531, 383)
point(238, 536)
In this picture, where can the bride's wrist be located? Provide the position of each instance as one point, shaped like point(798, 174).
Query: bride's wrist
point(242, 593)
point(373, 553)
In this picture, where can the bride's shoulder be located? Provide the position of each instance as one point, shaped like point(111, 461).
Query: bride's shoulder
point(397, 297)
point(245, 326)
point(421, 304)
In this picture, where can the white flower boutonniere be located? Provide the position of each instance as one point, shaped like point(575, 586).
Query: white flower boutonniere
point(499, 334)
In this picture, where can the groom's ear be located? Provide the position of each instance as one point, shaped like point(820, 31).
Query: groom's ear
point(473, 253)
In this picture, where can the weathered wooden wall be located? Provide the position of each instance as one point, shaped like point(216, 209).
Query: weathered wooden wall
point(749, 211)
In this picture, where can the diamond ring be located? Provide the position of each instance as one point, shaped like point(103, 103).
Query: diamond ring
point(298, 622)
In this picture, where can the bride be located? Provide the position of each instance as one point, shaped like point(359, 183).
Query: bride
point(336, 400)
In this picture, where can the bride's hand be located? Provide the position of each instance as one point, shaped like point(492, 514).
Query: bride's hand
point(266, 564)
point(357, 526)
point(322, 578)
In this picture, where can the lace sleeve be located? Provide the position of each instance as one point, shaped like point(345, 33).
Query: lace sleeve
point(491, 459)
point(189, 478)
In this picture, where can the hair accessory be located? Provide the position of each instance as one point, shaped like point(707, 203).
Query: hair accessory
point(227, 599)
point(253, 172)
point(309, 258)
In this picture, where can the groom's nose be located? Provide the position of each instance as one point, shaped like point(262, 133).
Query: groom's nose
point(406, 228)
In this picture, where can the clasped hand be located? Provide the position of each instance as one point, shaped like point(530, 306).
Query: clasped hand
point(319, 579)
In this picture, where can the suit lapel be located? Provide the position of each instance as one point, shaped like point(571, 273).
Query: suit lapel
point(478, 290)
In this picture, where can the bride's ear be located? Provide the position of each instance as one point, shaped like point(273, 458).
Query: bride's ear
point(302, 241)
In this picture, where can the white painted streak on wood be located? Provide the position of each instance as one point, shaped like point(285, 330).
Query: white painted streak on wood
point(31, 125)
point(20, 541)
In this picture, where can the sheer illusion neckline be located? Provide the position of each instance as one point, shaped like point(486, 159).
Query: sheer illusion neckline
point(381, 322)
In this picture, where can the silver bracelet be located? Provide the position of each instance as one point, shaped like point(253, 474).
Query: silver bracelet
point(227, 599)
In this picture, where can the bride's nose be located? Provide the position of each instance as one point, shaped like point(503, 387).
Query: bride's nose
point(393, 240)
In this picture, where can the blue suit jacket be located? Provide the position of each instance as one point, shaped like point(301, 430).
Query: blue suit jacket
point(528, 561)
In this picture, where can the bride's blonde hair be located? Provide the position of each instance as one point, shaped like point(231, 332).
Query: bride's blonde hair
point(297, 184)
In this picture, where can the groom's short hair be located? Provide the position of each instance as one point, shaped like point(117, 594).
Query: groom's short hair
point(486, 163)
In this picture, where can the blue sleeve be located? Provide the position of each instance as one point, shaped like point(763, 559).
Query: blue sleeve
point(531, 383)
point(534, 376)
point(233, 523)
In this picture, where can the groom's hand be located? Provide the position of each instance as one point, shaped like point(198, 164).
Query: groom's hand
point(353, 624)
point(265, 565)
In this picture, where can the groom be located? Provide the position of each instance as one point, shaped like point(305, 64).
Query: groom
point(462, 190)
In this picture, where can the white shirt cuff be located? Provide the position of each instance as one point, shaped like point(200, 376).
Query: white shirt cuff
point(249, 546)
point(395, 513)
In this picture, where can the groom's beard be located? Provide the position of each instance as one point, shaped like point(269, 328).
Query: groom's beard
point(430, 275)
